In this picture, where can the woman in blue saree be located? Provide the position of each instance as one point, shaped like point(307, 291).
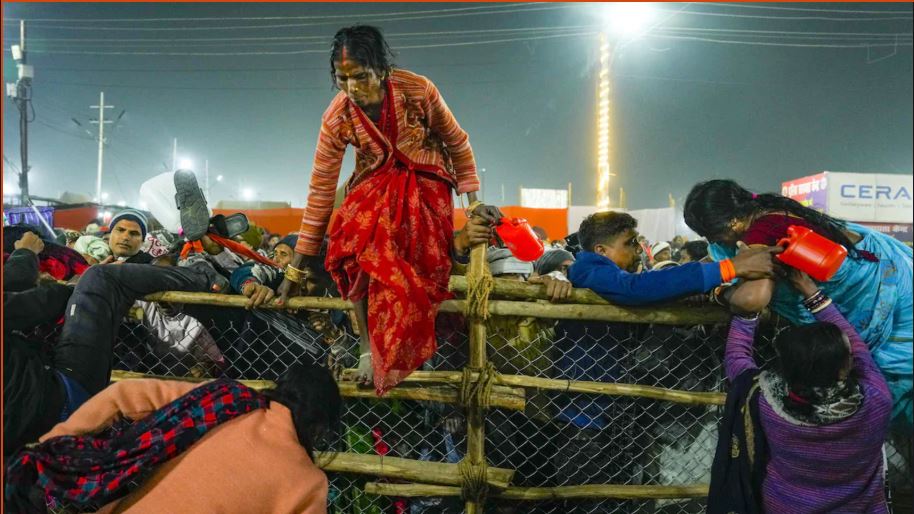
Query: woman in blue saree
point(872, 288)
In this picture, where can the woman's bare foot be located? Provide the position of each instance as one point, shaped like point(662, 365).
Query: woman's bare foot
point(364, 374)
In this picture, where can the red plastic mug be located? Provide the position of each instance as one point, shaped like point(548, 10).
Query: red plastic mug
point(811, 253)
point(520, 239)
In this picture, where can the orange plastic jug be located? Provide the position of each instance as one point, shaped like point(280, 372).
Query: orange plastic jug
point(811, 253)
point(520, 239)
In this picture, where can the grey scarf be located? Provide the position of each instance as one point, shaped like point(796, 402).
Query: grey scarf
point(829, 404)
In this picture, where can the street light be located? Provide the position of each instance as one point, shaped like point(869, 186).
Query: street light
point(624, 21)
point(628, 19)
point(247, 193)
point(219, 178)
point(185, 164)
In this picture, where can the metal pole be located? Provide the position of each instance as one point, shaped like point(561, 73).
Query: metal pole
point(101, 145)
point(174, 156)
point(101, 141)
point(206, 177)
point(23, 95)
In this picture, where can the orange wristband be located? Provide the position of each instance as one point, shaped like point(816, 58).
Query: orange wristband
point(727, 271)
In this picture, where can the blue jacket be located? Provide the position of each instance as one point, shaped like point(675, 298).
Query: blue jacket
point(604, 277)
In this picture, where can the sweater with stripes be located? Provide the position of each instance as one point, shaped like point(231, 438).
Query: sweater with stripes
point(836, 467)
point(428, 134)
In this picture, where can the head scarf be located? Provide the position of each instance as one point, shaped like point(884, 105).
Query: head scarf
point(159, 243)
point(659, 246)
point(502, 262)
point(665, 264)
point(551, 261)
point(92, 246)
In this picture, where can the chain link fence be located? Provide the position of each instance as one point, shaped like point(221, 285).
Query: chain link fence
point(559, 439)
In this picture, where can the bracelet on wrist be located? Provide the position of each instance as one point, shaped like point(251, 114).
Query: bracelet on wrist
point(293, 274)
point(816, 302)
point(472, 207)
point(727, 271)
point(821, 306)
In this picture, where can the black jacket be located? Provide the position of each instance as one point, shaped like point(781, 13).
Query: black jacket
point(32, 395)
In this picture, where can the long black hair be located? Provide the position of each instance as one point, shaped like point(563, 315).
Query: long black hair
point(711, 206)
point(810, 358)
point(312, 395)
point(364, 44)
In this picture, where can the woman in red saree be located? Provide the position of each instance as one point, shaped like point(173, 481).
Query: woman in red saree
point(390, 241)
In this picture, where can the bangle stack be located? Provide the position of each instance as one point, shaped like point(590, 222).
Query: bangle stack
point(817, 302)
point(293, 274)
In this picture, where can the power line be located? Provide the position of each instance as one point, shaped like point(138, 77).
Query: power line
point(251, 18)
point(323, 68)
point(801, 9)
point(189, 88)
point(459, 33)
point(788, 32)
point(62, 130)
point(293, 25)
point(301, 52)
point(787, 36)
point(789, 18)
point(783, 44)
point(50, 47)
point(321, 39)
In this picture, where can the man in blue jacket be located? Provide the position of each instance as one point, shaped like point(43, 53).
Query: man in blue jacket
point(611, 256)
point(593, 446)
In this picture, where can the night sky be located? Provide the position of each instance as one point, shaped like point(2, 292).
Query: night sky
point(684, 108)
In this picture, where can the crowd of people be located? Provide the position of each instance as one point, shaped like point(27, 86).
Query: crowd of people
point(841, 381)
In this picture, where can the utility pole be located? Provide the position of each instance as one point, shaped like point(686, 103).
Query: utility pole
point(206, 177)
point(101, 141)
point(21, 93)
point(174, 156)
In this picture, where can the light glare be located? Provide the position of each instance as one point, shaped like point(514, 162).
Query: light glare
point(628, 19)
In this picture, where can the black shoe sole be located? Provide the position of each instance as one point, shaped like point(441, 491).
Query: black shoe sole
point(192, 204)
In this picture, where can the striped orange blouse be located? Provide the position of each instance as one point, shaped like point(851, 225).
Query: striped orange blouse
point(427, 134)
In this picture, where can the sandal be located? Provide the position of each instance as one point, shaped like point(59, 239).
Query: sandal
point(192, 204)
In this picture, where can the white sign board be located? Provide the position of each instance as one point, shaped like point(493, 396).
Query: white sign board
point(872, 197)
point(544, 198)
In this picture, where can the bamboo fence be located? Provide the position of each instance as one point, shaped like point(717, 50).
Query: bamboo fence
point(478, 388)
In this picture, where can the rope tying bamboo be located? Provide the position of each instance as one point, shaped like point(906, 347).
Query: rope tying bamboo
point(477, 394)
point(479, 286)
point(474, 486)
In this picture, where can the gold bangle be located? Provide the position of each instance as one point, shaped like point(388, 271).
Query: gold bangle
point(472, 207)
point(293, 274)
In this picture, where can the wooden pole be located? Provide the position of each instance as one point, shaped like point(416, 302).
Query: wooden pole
point(583, 305)
point(502, 397)
point(579, 386)
point(404, 469)
point(230, 300)
point(669, 315)
point(571, 492)
point(476, 436)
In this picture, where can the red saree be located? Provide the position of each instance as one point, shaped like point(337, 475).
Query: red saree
point(390, 241)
